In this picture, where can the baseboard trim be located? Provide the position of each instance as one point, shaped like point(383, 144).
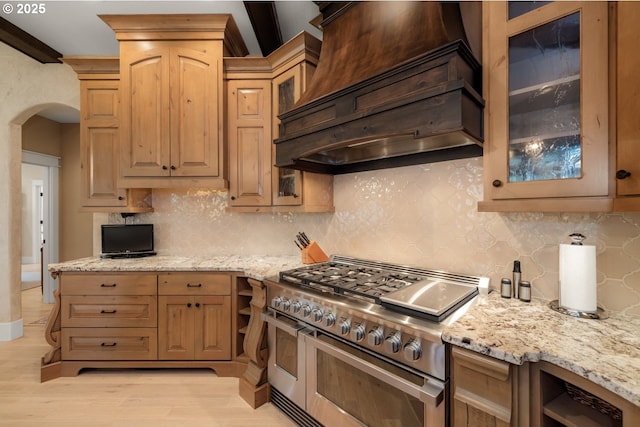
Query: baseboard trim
point(11, 330)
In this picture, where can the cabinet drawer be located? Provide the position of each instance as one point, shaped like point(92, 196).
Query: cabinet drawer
point(194, 284)
point(109, 312)
point(482, 390)
point(109, 344)
point(109, 284)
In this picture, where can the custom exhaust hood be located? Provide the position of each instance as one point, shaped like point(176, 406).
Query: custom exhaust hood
point(396, 84)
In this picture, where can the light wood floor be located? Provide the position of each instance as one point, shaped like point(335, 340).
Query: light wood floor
point(131, 398)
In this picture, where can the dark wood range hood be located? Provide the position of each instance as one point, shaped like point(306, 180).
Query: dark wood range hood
point(396, 84)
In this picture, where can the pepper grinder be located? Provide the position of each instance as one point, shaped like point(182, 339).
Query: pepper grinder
point(516, 279)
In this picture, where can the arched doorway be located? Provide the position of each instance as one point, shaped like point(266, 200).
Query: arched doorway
point(13, 329)
point(28, 87)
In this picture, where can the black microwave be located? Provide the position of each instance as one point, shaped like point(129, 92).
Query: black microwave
point(127, 240)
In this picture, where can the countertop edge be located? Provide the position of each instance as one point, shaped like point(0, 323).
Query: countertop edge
point(517, 332)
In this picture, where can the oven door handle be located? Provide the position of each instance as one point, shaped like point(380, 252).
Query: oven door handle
point(430, 393)
point(270, 318)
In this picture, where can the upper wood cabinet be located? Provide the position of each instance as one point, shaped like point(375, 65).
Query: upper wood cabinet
point(546, 83)
point(249, 130)
point(99, 139)
point(254, 186)
point(172, 98)
point(627, 89)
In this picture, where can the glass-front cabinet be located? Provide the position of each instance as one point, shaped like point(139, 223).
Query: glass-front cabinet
point(546, 82)
point(287, 183)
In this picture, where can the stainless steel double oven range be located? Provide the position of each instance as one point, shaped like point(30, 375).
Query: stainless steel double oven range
point(358, 343)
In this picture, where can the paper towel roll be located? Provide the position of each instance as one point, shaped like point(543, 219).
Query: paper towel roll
point(578, 287)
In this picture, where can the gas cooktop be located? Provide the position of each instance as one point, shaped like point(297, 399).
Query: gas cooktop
point(430, 294)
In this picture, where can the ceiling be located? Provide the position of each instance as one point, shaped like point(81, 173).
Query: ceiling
point(74, 28)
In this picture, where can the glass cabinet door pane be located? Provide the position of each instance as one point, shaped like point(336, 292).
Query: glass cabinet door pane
point(517, 8)
point(286, 176)
point(544, 102)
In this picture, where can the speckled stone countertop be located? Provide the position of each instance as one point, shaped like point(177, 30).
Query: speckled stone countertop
point(606, 352)
point(257, 267)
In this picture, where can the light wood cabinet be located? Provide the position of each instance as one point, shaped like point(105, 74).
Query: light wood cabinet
point(627, 90)
point(178, 319)
point(547, 116)
point(194, 320)
point(279, 79)
point(172, 98)
point(485, 391)
point(109, 317)
point(562, 398)
point(249, 118)
point(99, 139)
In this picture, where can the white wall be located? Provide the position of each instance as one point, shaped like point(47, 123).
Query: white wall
point(26, 87)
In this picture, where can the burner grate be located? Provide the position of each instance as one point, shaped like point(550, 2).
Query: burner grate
point(366, 281)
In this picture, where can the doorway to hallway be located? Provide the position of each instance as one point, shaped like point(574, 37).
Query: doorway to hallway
point(40, 233)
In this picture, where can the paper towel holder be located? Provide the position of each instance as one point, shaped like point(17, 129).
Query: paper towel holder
point(600, 314)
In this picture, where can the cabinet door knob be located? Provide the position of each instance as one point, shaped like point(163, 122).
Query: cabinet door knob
point(189, 305)
point(197, 304)
point(120, 198)
point(623, 174)
point(164, 167)
point(496, 183)
point(295, 196)
point(233, 197)
point(173, 168)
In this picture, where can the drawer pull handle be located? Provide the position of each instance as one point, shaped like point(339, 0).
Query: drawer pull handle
point(190, 285)
point(108, 344)
point(107, 311)
point(108, 285)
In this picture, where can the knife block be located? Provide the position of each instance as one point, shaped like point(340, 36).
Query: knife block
point(313, 254)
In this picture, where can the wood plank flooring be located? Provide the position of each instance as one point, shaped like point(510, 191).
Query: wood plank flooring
point(110, 398)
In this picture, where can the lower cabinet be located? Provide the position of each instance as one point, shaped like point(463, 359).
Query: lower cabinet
point(194, 327)
point(194, 316)
point(487, 392)
point(482, 390)
point(123, 319)
point(561, 398)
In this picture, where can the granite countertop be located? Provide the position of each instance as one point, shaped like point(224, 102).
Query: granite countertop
point(256, 266)
point(606, 352)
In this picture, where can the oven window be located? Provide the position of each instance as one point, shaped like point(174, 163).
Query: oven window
point(287, 352)
point(366, 398)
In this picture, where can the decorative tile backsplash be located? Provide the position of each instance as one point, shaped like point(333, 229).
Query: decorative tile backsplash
point(422, 215)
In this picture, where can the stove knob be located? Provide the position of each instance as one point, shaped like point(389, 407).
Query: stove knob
point(412, 351)
point(345, 326)
point(317, 314)
point(275, 302)
point(297, 305)
point(357, 333)
point(329, 320)
point(393, 343)
point(375, 336)
point(286, 304)
point(306, 310)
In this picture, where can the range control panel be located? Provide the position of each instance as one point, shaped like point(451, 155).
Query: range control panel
point(362, 324)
